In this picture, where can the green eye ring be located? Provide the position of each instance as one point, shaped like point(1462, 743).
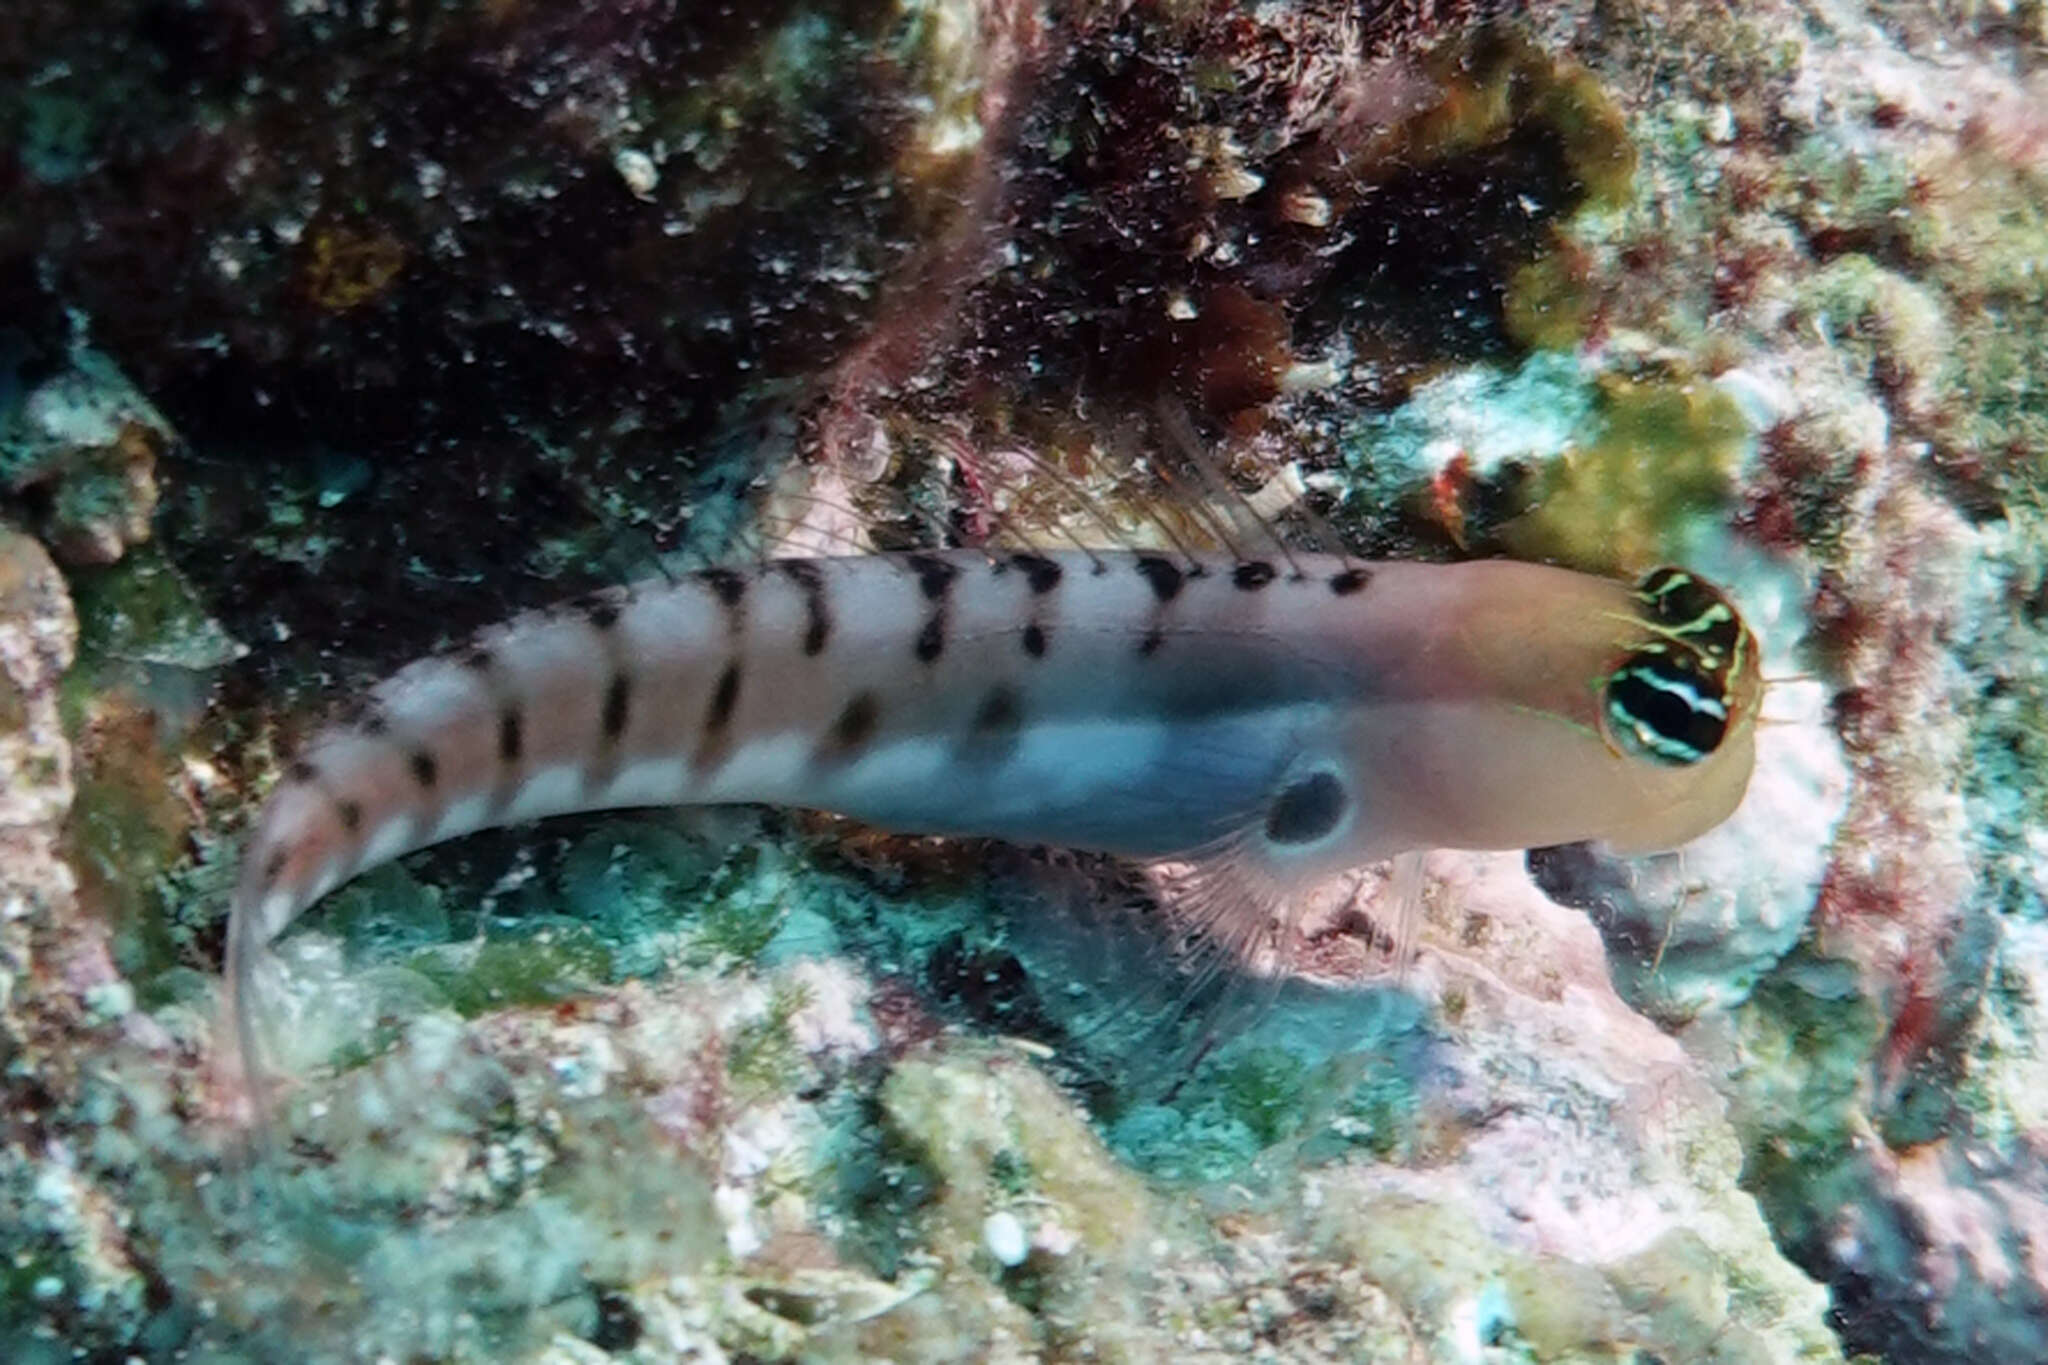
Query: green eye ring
point(1691, 612)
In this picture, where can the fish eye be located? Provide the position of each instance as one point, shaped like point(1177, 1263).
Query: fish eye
point(1691, 610)
point(1664, 706)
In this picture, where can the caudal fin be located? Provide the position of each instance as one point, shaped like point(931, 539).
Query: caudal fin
point(243, 1081)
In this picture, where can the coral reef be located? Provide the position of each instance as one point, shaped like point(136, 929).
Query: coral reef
point(329, 331)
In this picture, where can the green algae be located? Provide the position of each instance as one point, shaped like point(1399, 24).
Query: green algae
point(1663, 459)
point(141, 626)
point(980, 1123)
point(1892, 324)
point(1503, 83)
point(630, 898)
point(1548, 305)
point(1465, 236)
point(875, 1186)
point(386, 1245)
point(1264, 1089)
point(1675, 1299)
point(1505, 91)
point(539, 966)
point(125, 837)
point(764, 1058)
point(1805, 1038)
point(146, 654)
point(743, 908)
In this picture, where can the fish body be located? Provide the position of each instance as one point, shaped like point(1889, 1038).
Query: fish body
point(1285, 718)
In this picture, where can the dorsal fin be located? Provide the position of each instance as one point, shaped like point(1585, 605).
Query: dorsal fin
point(1182, 440)
point(1148, 482)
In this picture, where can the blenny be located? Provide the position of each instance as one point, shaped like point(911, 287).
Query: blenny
point(1270, 721)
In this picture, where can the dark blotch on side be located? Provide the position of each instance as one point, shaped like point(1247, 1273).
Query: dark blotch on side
point(1253, 576)
point(273, 868)
point(728, 584)
point(853, 728)
point(1043, 574)
point(1163, 574)
point(1349, 581)
point(1306, 810)
point(1154, 638)
point(477, 658)
point(934, 575)
point(724, 697)
point(618, 698)
point(601, 611)
point(424, 770)
point(510, 738)
point(301, 772)
point(931, 641)
point(351, 813)
point(1034, 640)
point(997, 724)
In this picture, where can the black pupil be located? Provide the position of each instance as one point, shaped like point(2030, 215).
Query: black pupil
point(1663, 697)
point(1307, 810)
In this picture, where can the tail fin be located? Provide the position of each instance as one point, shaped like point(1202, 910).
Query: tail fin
point(243, 1082)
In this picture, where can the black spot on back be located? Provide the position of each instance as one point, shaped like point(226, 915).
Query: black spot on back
point(934, 575)
point(724, 697)
point(1253, 575)
point(728, 584)
point(351, 813)
point(363, 715)
point(818, 614)
point(1154, 638)
point(1034, 640)
point(1043, 574)
point(273, 868)
point(618, 699)
point(1163, 574)
point(425, 770)
point(601, 611)
point(477, 658)
point(1306, 809)
point(931, 641)
point(510, 740)
point(1349, 581)
point(301, 772)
